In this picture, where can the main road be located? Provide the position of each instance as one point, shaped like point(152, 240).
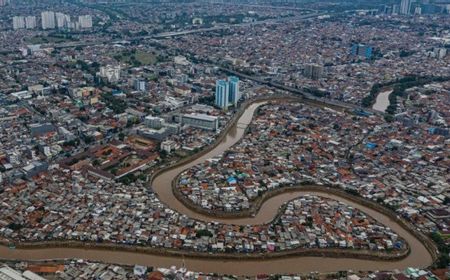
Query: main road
point(419, 255)
point(174, 33)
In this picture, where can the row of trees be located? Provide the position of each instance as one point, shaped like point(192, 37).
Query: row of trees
point(444, 250)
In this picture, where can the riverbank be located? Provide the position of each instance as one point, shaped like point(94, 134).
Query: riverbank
point(300, 252)
point(306, 187)
point(271, 201)
point(303, 187)
point(324, 260)
point(256, 206)
point(243, 107)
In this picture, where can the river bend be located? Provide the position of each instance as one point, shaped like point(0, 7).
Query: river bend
point(419, 256)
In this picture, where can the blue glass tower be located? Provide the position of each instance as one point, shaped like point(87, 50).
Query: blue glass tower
point(234, 94)
point(368, 53)
point(221, 97)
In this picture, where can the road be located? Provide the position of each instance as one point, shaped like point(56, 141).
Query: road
point(304, 94)
point(174, 34)
point(227, 26)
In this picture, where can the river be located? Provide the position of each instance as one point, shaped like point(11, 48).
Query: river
point(419, 256)
point(382, 101)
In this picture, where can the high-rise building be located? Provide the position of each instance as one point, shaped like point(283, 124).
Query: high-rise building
point(18, 22)
point(62, 20)
point(85, 21)
point(233, 90)
point(221, 97)
point(313, 71)
point(418, 10)
point(386, 9)
point(395, 9)
point(111, 73)
point(405, 7)
point(4, 3)
point(30, 22)
point(48, 20)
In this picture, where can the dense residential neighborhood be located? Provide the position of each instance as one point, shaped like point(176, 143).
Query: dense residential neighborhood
point(284, 139)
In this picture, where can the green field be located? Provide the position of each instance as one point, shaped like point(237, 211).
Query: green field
point(136, 58)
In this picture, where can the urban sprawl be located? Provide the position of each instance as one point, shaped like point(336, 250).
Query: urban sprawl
point(99, 99)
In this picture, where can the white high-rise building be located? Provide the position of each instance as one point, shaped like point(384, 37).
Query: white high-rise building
point(85, 21)
point(30, 22)
point(405, 7)
point(62, 20)
point(18, 22)
point(48, 20)
point(111, 73)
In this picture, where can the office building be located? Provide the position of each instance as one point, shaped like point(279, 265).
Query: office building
point(221, 97)
point(30, 22)
point(4, 3)
point(200, 121)
point(85, 21)
point(233, 90)
point(362, 50)
point(405, 7)
point(48, 20)
point(313, 71)
point(18, 22)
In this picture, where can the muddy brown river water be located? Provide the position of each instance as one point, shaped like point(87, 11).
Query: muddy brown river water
point(419, 256)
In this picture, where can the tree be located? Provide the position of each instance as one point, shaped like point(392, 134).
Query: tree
point(121, 136)
point(203, 232)
point(388, 118)
point(444, 260)
point(447, 200)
